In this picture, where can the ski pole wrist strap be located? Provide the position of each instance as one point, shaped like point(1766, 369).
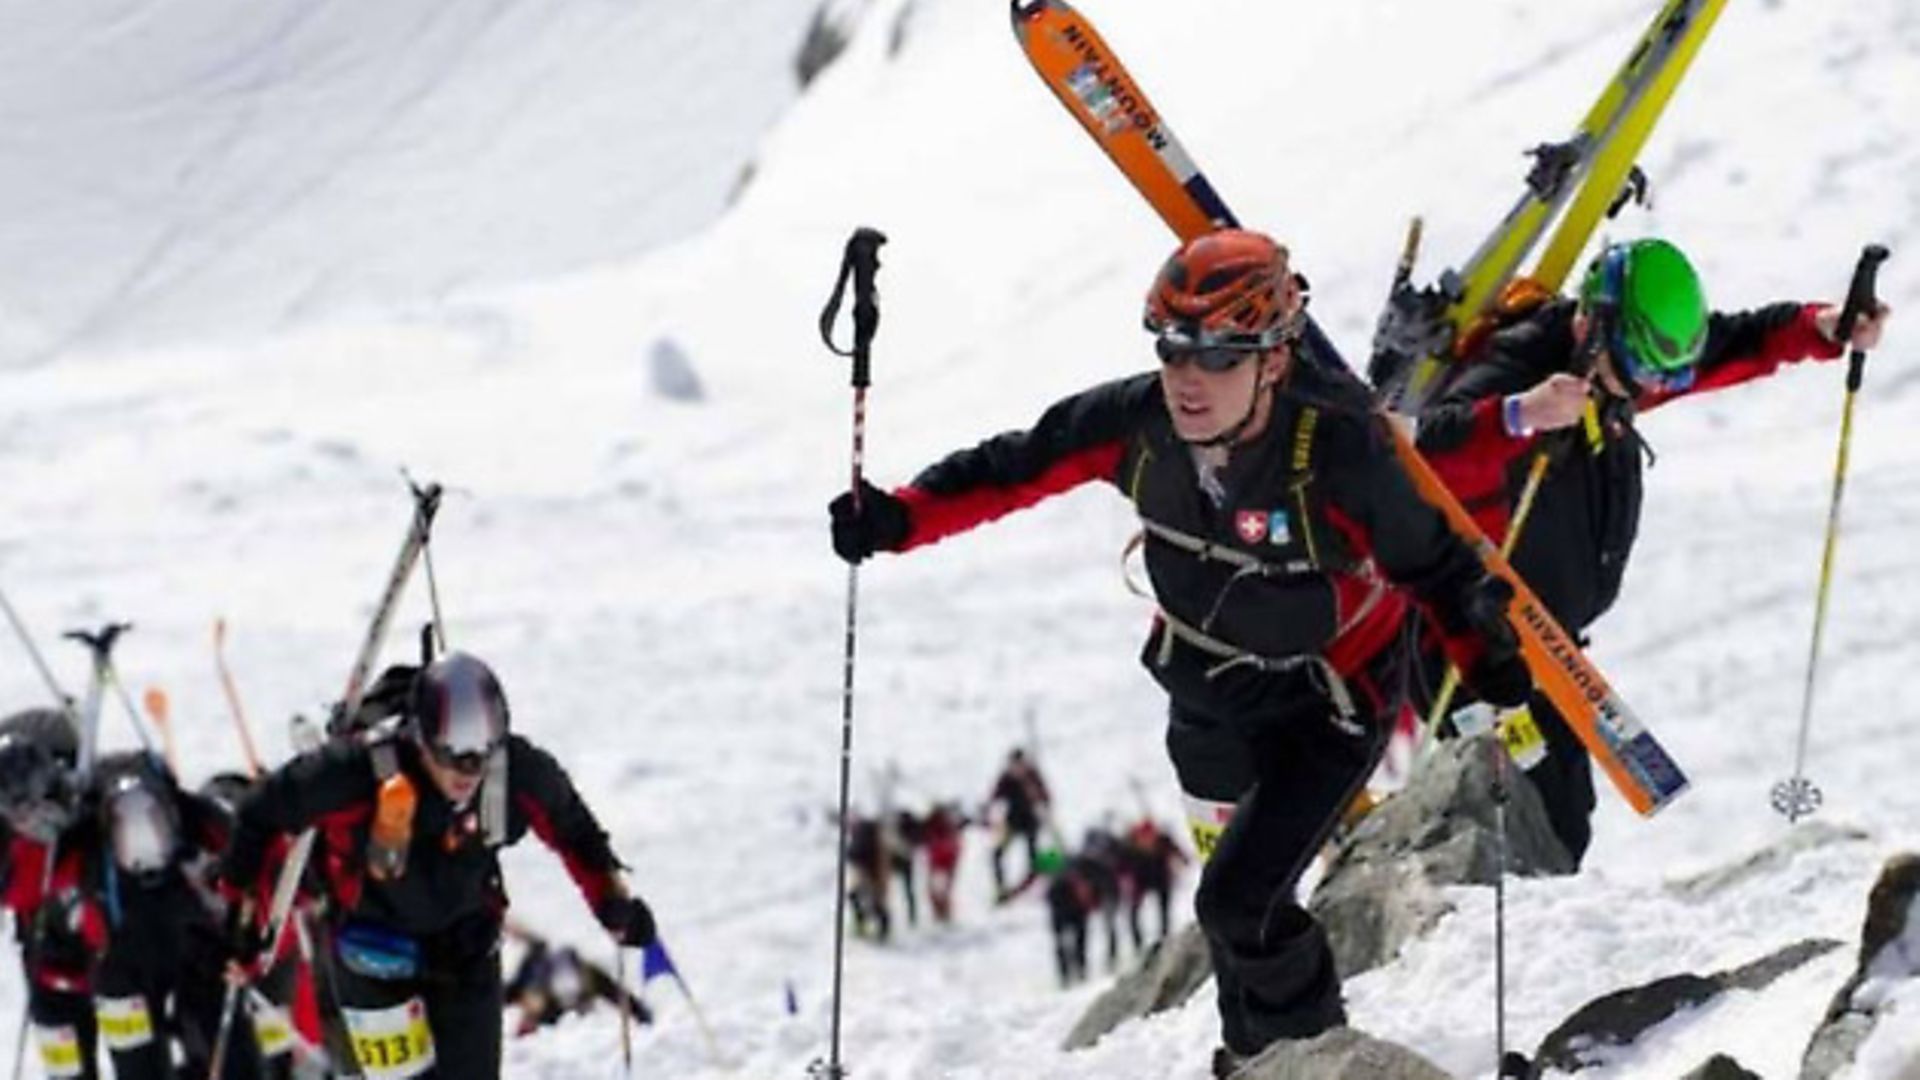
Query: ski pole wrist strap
point(1510, 418)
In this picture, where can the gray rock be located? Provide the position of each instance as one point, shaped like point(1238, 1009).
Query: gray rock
point(1620, 1018)
point(1889, 954)
point(1383, 886)
point(827, 36)
point(1343, 1053)
point(1170, 974)
point(672, 372)
point(1721, 1067)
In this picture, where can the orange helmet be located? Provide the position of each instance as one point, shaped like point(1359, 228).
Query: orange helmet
point(1229, 288)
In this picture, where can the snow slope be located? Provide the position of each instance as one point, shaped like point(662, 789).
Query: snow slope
point(197, 169)
point(651, 575)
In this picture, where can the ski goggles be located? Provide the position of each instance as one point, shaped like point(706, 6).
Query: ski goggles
point(1641, 377)
point(465, 762)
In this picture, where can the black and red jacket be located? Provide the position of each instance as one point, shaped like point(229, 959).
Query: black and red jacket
point(63, 927)
point(451, 897)
point(1585, 518)
point(1350, 515)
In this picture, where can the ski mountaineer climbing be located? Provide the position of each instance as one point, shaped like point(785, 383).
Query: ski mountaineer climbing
point(1638, 336)
point(158, 983)
point(409, 829)
point(554, 981)
point(60, 925)
point(1284, 547)
point(1025, 804)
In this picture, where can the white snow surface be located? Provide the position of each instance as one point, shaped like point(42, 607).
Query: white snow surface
point(187, 170)
point(652, 578)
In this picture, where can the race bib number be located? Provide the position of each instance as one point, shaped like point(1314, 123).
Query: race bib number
point(1207, 820)
point(391, 1044)
point(124, 1022)
point(272, 1028)
point(1521, 734)
point(59, 1051)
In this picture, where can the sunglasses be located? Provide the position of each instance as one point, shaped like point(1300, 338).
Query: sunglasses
point(1216, 359)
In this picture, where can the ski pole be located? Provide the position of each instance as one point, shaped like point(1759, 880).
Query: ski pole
point(60, 697)
point(1797, 796)
point(232, 692)
point(126, 706)
point(439, 628)
point(626, 1017)
point(700, 1020)
point(861, 263)
point(100, 645)
point(1450, 685)
point(1512, 1064)
point(229, 1008)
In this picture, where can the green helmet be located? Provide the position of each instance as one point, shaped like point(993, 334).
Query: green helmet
point(1649, 303)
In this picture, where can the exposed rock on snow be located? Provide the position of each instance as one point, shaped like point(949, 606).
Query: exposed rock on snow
point(1721, 1067)
point(1889, 955)
point(672, 372)
point(1341, 1054)
point(828, 33)
point(1384, 886)
point(1171, 972)
point(1618, 1019)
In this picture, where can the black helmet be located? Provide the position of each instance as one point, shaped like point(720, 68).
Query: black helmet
point(143, 825)
point(50, 728)
point(35, 790)
point(228, 789)
point(459, 712)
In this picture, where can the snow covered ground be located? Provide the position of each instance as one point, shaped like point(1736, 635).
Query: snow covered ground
point(651, 576)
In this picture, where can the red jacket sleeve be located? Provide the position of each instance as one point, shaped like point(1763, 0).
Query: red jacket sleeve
point(1753, 345)
point(1080, 439)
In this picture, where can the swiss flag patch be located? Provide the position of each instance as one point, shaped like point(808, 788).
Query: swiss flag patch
point(1251, 525)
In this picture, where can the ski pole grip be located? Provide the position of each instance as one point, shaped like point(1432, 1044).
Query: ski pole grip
point(1862, 299)
point(860, 263)
point(864, 252)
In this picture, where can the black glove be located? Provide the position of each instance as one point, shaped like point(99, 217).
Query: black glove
point(1500, 677)
point(881, 523)
point(54, 936)
point(628, 920)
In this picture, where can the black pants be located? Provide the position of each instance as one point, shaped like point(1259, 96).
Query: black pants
point(1162, 892)
point(1067, 917)
point(167, 953)
point(463, 1005)
point(1564, 780)
point(1029, 833)
point(56, 1009)
point(903, 870)
point(1291, 771)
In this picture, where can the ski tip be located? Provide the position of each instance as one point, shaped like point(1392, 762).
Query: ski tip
point(1024, 11)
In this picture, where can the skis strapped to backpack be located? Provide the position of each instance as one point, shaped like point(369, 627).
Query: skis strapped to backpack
point(426, 503)
point(1094, 86)
point(1423, 330)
